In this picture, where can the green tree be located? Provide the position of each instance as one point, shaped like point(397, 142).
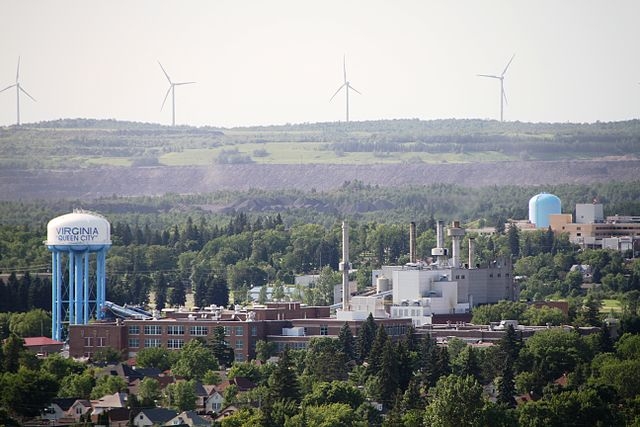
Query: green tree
point(365, 337)
point(181, 395)
point(264, 350)
point(108, 384)
point(221, 348)
point(77, 385)
point(325, 361)
point(331, 415)
point(26, 392)
point(446, 409)
point(154, 357)
point(324, 393)
point(149, 392)
point(283, 381)
point(194, 360)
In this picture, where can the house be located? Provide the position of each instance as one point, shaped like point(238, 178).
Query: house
point(213, 402)
point(43, 346)
point(189, 418)
point(153, 417)
point(107, 403)
point(119, 417)
point(79, 408)
point(242, 384)
point(58, 409)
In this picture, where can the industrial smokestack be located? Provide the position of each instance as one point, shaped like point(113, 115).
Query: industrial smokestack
point(456, 233)
point(472, 249)
point(412, 242)
point(440, 234)
point(344, 266)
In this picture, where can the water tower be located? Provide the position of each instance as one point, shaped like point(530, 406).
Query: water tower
point(541, 206)
point(72, 239)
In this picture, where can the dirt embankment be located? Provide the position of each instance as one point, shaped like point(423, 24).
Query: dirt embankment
point(92, 183)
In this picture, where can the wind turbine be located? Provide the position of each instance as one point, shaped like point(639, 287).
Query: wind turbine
point(19, 89)
point(172, 89)
point(346, 85)
point(503, 97)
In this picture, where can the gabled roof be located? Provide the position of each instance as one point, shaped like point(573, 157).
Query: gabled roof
point(158, 415)
point(119, 414)
point(64, 403)
point(243, 384)
point(190, 418)
point(116, 400)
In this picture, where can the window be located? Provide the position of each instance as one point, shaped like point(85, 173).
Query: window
point(254, 330)
point(88, 341)
point(239, 331)
point(239, 357)
point(227, 331)
point(199, 330)
point(151, 342)
point(239, 344)
point(324, 330)
point(152, 330)
point(175, 344)
point(175, 330)
point(134, 330)
point(100, 341)
point(134, 342)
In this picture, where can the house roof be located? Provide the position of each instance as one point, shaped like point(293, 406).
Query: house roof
point(40, 341)
point(243, 384)
point(64, 403)
point(159, 415)
point(116, 400)
point(190, 418)
point(119, 414)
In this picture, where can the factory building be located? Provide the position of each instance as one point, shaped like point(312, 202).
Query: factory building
point(591, 229)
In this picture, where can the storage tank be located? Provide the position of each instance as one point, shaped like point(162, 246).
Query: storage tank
point(541, 206)
point(79, 228)
point(383, 284)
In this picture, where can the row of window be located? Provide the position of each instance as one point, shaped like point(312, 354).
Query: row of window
point(172, 343)
point(193, 330)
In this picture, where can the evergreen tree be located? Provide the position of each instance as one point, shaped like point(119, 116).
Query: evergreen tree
point(470, 365)
point(177, 295)
point(412, 398)
point(366, 335)
point(388, 374)
point(506, 385)
point(161, 291)
point(221, 348)
point(283, 381)
point(429, 361)
point(200, 294)
point(347, 342)
point(217, 291)
point(375, 354)
point(513, 236)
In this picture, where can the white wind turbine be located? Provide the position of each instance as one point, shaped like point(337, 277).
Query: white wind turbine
point(503, 97)
point(19, 89)
point(172, 89)
point(346, 85)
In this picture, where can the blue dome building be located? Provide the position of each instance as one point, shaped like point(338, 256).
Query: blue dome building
point(541, 206)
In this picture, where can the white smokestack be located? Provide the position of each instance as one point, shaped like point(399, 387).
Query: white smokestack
point(412, 242)
point(456, 233)
point(344, 266)
point(472, 249)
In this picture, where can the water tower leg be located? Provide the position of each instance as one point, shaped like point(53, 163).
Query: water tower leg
point(71, 305)
point(100, 283)
point(79, 279)
point(85, 311)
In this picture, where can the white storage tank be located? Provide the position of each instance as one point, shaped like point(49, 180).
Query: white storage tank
point(541, 206)
point(79, 228)
point(383, 284)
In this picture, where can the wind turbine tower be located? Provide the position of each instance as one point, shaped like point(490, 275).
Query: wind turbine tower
point(346, 85)
point(172, 89)
point(503, 97)
point(19, 89)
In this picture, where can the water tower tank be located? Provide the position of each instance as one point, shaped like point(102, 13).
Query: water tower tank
point(78, 229)
point(541, 206)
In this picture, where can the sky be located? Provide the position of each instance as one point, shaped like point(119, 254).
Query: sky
point(280, 61)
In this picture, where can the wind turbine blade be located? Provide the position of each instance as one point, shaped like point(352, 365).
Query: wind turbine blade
point(165, 97)
point(344, 67)
point(334, 95)
point(508, 63)
point(25, 92)
point(504, 95)
point(183, 83)
point(488, 75)
point(354, 89)
point(165, 73)
point(18, 70)
point(8, 87)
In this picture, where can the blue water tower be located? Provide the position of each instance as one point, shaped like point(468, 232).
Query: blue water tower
point(541, 206)
point(72, 239)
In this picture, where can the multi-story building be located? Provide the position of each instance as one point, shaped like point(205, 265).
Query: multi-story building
point(292, 324)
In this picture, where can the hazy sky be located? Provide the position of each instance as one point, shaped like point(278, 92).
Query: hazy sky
point(274, 62)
